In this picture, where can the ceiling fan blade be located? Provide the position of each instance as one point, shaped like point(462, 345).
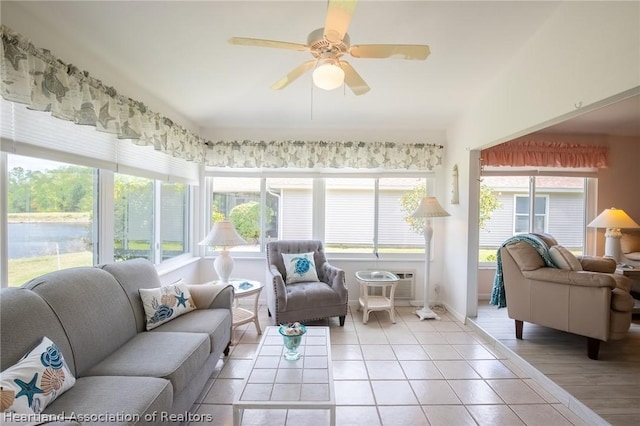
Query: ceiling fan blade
point(397, 51)
point(267, 43)
point(293, 74)
point(339, 14)
point(353, 79)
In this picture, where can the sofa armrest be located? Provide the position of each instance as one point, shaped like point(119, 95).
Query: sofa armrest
point(568, 277)
point(598, 264)
point(621, 301)
point(335, 278)
point(278, 288)
point(211, 296)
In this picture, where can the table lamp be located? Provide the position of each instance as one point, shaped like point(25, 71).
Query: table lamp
point(613, 220)
point(428, 208)
point(223, 234)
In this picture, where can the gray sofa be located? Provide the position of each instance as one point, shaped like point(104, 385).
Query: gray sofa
point(96, 318)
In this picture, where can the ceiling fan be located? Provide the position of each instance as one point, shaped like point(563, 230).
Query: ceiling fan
point(328, 45)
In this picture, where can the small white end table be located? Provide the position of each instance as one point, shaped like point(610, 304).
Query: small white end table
point(246, 288)
point(384, 302)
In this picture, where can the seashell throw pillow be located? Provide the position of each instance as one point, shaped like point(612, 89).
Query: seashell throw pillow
point(163, 304)
point(36, 380)
point(300, 267)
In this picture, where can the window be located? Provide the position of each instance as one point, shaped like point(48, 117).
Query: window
point(560, 210)
point(239, 200)
point(174, 219)
point(353, 214)
point(349, 215)
point(55, 214)
point(140, 220)
point(293, 208)
point(51, 218)
point(521, 220)
point(133, 217)
point(398, 198)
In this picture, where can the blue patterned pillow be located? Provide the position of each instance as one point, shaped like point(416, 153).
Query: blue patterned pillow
point(36, 380)
point(165, 303)
point(300, 267)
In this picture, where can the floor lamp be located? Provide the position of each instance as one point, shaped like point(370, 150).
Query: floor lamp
point(223, 234)
point(428, 208)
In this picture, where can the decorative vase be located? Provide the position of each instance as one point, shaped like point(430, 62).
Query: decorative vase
point(292, 341)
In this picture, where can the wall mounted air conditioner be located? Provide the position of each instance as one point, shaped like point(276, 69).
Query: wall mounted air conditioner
point(405, 289)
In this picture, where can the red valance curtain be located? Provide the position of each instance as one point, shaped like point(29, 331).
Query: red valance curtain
point(541, 153)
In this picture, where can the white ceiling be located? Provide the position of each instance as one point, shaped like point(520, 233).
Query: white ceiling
point(178, 53)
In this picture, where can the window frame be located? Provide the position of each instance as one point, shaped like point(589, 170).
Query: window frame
point(318, 202)
point(103, 211)
point(531, 207)
point(590, 189)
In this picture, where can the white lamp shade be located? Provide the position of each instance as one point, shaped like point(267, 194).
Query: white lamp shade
point(222, 234)
point(613, 218)
point(328, 75)
point(430, 207)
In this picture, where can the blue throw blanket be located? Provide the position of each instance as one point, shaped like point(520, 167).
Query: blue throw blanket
point(498, 296)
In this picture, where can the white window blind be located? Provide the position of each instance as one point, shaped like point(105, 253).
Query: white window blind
point(38, 134)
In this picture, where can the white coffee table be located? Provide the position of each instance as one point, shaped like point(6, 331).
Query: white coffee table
point(273, 382)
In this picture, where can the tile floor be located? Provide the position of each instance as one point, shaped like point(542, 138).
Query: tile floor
point(432, 372)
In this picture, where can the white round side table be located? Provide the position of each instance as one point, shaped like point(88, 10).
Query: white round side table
point(246, 288)
point(383, 302)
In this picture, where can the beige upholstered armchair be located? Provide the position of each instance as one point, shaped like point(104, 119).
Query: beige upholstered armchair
point(581, 296)
point(294, 293)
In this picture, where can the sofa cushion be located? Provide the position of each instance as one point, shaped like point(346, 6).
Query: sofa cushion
point(173, 356)
point(564, 259)
point(36, 380)
point(548, 239)
point(214, 322)
point(300, 267)
point(598, 264)
point(525, 256)
point(124, 399)
point(133, 275)
point(89, 302)
point(163, 304)
point(24, 318)
point(301, 296)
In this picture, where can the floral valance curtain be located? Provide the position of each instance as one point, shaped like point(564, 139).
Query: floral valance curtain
point(545, 153)
point(320, 154)
point(35, 77)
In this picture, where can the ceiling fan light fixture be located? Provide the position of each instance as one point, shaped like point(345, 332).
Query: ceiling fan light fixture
point(328, 75)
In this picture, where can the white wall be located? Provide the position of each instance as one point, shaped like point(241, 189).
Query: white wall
point(585, 53)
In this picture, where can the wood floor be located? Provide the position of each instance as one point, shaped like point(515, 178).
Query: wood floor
point(610, 386)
